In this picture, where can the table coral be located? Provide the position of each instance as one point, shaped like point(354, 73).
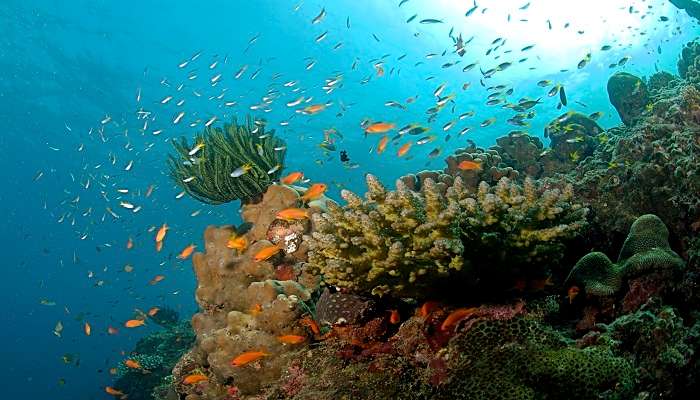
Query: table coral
point(645, 250)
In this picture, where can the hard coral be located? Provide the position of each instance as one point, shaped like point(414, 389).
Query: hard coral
point(645, 250)
point(403, 242)
point(206, 175)
point(520, 358)
point(393, 242)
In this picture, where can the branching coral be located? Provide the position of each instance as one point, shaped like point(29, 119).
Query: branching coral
point(394, 241)
point(247, 150)
point(645, 250)
point(402, 242)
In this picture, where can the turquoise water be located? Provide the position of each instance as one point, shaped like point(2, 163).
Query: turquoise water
point(75, 75)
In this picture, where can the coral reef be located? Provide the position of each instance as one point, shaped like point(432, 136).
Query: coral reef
point(521, 152)
point(229, 163)
point(404, 242)
point(629, 95)
point(157, 353)
point(689, 62)
point(244, 307)
point(646, 249)
point(656, 339)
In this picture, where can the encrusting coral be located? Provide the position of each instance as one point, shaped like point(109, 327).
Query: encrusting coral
point(629, 95)
point(204, 168)
point(645, 250)
point(403, 242)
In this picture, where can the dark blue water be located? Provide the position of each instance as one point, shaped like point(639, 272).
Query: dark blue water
point(67, 67)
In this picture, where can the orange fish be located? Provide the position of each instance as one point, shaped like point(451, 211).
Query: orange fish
point(153, 311)
point(255, 309)
point(160, 235)
point(112, 330)
point(239, 243)
point(395, 317)
point(404, 149)
point(113, 391)
point(572, 293)
point(248, 357)
point(87, 328)
point(455, 316)
point(382, 144)
point(291, 178)
point(313, 109)
point(314, 192)
point(112, 371)
point(311, 324)
point(194, 378)
point(428, 308)
point(134, 323)
point(291, 339)
point(467, 165)
point(129, 244)
point(186, 252)
point(292, 214)
point(156, 279)
point(132, 364)
point(267, 252)
point(380, 127)
point(159, 246)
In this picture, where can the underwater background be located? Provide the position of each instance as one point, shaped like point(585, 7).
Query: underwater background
point(84, 100)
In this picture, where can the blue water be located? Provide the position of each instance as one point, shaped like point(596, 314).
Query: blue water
point(67, 66)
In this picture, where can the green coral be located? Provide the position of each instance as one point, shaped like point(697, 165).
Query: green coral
point(520, 358)
point(226, 150)
point(401, 242)
point(661, 346)
point(646, 249)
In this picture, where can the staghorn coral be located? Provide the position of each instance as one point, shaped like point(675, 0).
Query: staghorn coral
point(645, 250)
point(226, 150)
point(403, 242)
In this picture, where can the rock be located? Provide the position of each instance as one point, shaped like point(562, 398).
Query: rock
point(692, 7)
point(629, 95)
point(573, 137)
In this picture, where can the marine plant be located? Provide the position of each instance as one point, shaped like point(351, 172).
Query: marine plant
point(646, 249)
point(235, 162)
point(401, 242)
